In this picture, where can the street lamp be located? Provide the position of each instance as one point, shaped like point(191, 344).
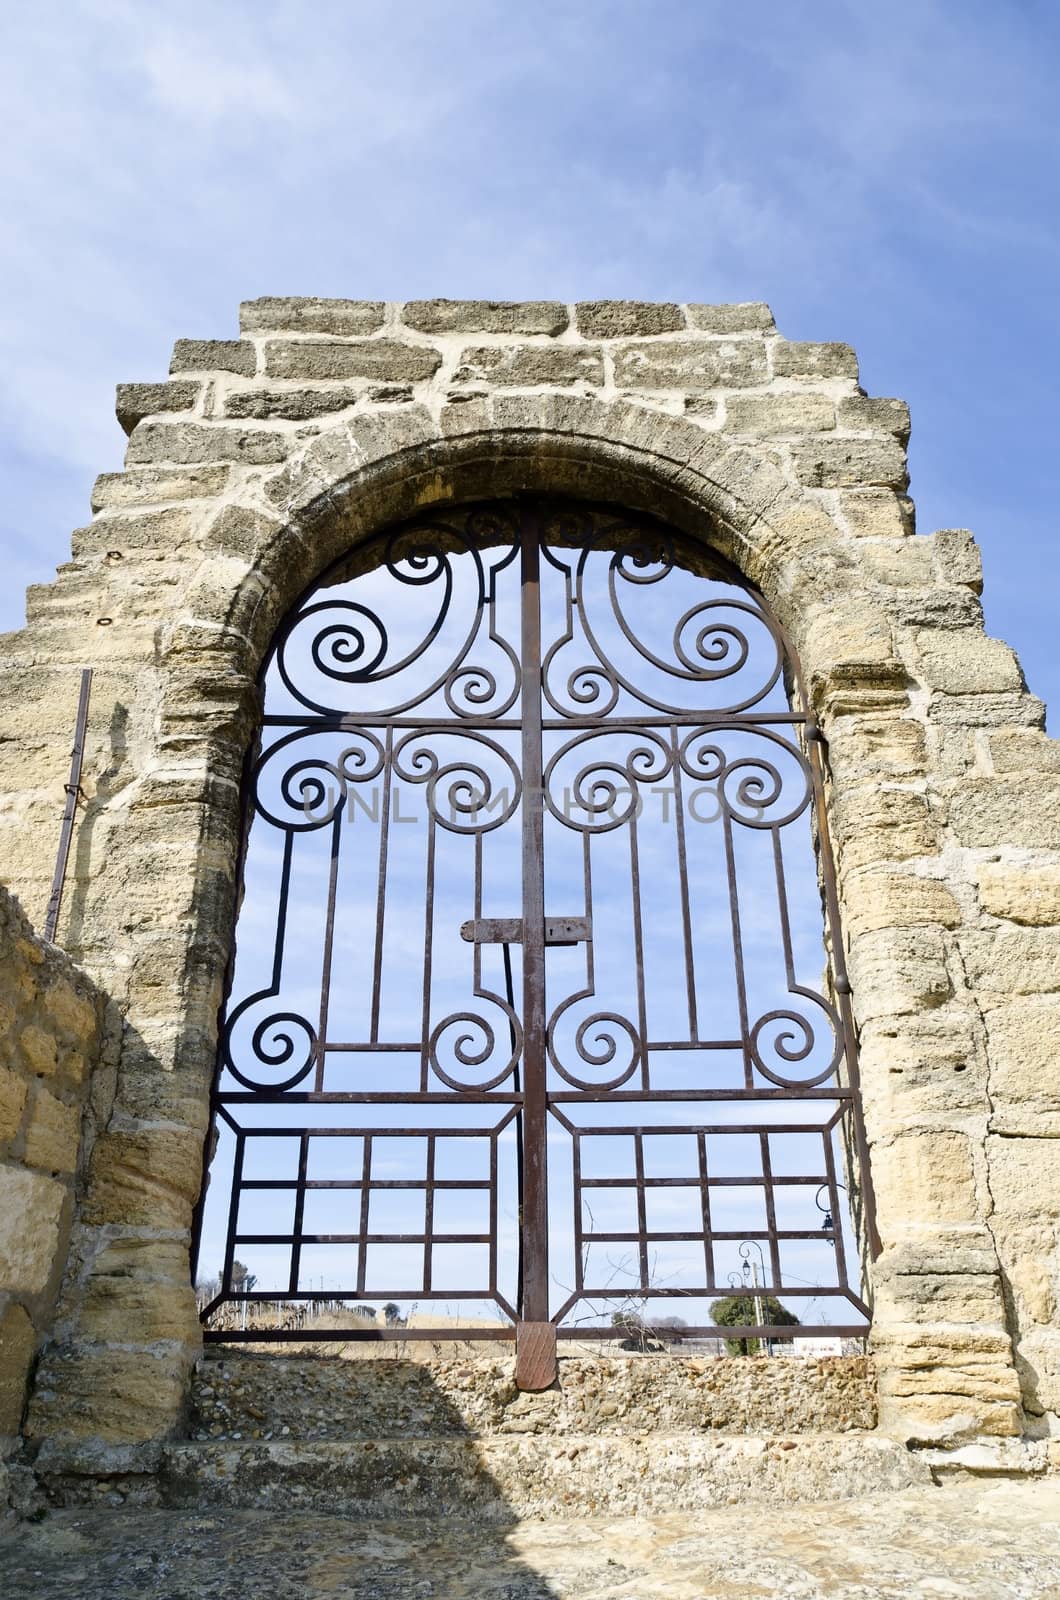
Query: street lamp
point(750, 1276)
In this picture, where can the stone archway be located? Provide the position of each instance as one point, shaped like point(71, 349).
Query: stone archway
point(768, 451)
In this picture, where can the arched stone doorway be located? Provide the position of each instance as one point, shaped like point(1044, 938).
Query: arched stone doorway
point(235, 498)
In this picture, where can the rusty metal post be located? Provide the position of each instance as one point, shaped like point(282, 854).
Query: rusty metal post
point(73, 790)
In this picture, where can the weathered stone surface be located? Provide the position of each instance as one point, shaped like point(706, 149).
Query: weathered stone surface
point(214, 355)
point(138, 400)
point(152, 485)
point(1023, 750)
point(833, 463)
point(192, 443)
point(1011, 961)
point(18, 1343)
point(894, 971)
point(296, 405)
point(112, 1395)
point(1021, 894)
point(622, 319)
point(1024, 1046)
point(967, 662)
point(958, 557)
point(1025, 1176)
point(360, 358)
point(931, 1165)
point(750, 316)
point(767, 414)
point(691, 365)
point(989, 1533)
point(530, 364)
point(348, 1398)
point(1012, 810)
point(485, 316)
point(860, 413)
point(875, 513)
point(308, 314)
point(13, 1093)
point(794, 359)
point(883, 824)
point(53, 1133)
point(31, 1206)
point(145, 1178)
point(897, 900)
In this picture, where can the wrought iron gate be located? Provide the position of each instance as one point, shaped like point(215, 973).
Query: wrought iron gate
point(600, 870)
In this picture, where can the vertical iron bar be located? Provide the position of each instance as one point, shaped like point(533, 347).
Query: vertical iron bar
point(534, 1307)
point(842, 984)
point(73, 789)
point(380, 893)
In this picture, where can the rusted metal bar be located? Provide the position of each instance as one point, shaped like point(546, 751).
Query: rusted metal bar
point(73, 790)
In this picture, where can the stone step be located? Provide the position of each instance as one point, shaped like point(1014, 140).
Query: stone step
point(247, 1397)
point(500, 1478)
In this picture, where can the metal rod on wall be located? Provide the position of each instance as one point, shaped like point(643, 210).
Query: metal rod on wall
point(73, 790)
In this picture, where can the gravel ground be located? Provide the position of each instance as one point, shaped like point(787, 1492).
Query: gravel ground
point(970, 1540)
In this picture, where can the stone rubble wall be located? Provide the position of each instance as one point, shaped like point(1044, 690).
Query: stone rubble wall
point(263, 458)
point(270, 1397)
point(56, 1079)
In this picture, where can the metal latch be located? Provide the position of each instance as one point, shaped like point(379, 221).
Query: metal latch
point(509, 930)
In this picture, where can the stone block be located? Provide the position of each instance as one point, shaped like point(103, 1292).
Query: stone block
point(967, 662)
point(833, 463)
point(924, 1063)
point(53, 1133)
point(485, 316)
point(876, 825)
point(968, 711)
point(293, 405)
point(1023, 750)
point(750, 316)
point(877, 747)
point(876, 513)
point(1030, 895)
point(903, 563)
point(622, 319)
point(214, 355)
point(123, 1308)
point(873, 900)
point(40, 1049)
point(987, 812)
point(18, 1344)
point(113, 1395)
point(13, 1092)
point(138, 486)
point(308, 314)
point(861, 413)
point(1024, 1177)
point(895, 971)
point(527, 365)
point(1002, 962)
point(770, 414)
point(958, 558)
point(154, 532)
point(135, 401)
point(923, 1178)
point(796, 359)
point(144, 1178)
point(691, 364)
point(31, 1206)
point(1023, 1041)
point(192, 443)
point(321, 359)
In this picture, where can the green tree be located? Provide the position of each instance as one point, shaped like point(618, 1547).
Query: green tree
point(737, 1310)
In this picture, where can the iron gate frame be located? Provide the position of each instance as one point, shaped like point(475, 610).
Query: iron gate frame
point(524, 522)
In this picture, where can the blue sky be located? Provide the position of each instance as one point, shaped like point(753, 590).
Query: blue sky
point(884, 175)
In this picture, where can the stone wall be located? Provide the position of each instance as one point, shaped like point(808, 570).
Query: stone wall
point(54, 1089)
point(264, 458)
